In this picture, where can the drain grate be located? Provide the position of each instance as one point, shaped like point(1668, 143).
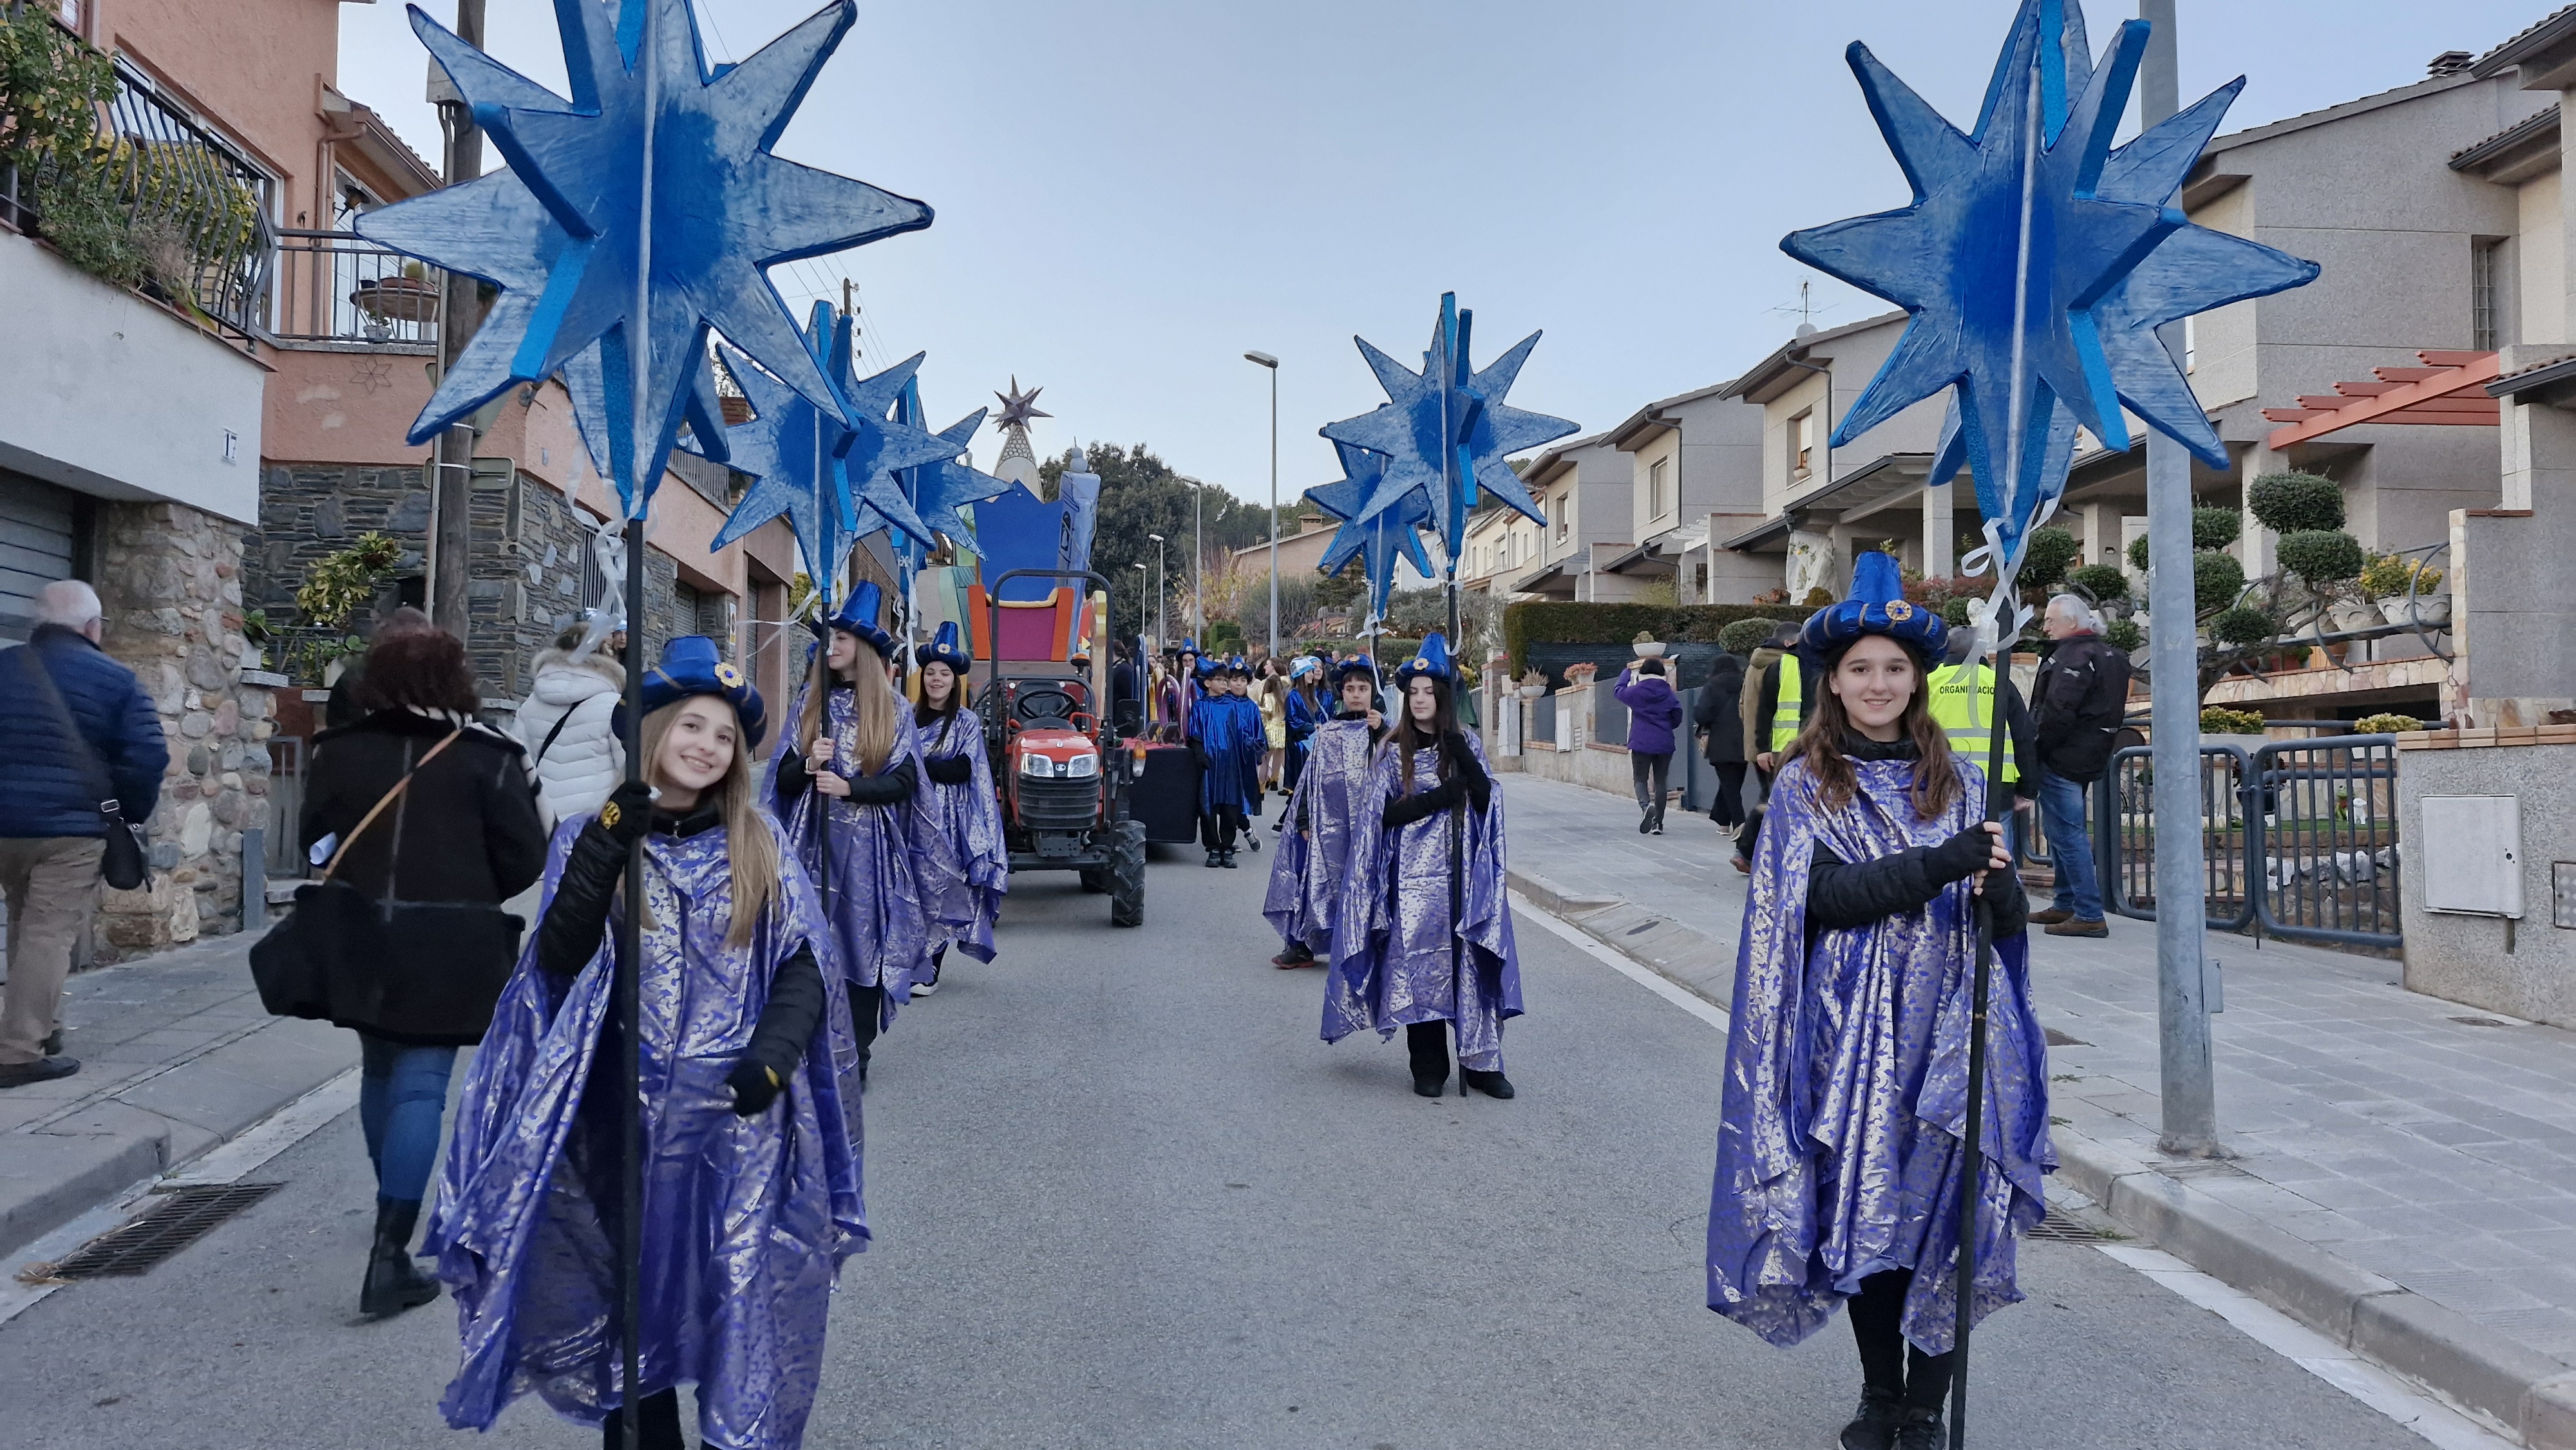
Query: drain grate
point(2057, 1228)
point(180, 1218)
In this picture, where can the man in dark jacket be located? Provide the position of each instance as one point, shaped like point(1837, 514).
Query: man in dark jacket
point(79, 730)
point(2081, 697)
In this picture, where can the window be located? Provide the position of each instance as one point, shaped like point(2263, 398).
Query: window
point(1802, 446)
point(2482, 295)
point(1655, 487)
point(1558, 511)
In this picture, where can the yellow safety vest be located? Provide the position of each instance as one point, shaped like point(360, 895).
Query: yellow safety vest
point(1784, 719)
point(1962, 704)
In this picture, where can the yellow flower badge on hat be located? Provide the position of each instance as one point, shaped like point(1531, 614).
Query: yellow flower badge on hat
point(729, 677)
point(1899, 610)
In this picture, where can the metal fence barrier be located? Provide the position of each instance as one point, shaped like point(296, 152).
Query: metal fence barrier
point(2298, 838)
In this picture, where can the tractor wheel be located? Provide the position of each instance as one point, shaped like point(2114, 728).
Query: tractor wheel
point(1127, 875)
point(1095, 879)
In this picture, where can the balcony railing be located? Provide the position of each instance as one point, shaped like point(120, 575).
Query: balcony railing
point(338, 287)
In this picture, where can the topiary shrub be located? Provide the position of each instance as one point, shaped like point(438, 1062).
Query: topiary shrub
point(2241, 625)
point(1819, 597)
point(1745, 636)
point(2046, 556)
point(2215, 528)
point(2295, 503)
point(2216, 580)
point(2138, 553)
point(2322, 556)
point(2386, 723)
point(2104, 582)
point(2124, 634)
point(1959, 613)
point(2219, 720)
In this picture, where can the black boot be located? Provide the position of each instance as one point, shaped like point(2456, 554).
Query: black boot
point(1874, 1426)
point(1922, 1429)
point(1225, 858)
point(394, 1282)
point(1215, 859)
point(1428, 1045)
point(659, 1428)
point(1492, 1084)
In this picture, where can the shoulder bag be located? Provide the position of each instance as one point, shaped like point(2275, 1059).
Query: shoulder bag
point(123, 866)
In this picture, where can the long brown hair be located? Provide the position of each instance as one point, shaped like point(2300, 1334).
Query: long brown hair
point(1820, 744)
point(926, 716)
point(748, 845)
point(874, 706)
point(1408, 737)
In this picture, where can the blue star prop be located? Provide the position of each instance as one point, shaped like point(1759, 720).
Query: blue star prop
point(1381, 539)
point(881, 447)
point(939, 490)
point(2024, 261)
point(1446, 430)
point(660, 179)
point(787, 448)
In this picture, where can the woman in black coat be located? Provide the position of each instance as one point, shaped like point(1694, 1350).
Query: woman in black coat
point(1719, 720)
point(464, 832)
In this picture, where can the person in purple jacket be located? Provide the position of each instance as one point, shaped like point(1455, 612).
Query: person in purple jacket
point(1654, 713)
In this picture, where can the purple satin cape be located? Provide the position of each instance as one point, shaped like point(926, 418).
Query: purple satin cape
point(1838, 1149)
point(966, 863)
point(747, 1220)
point(1307, 872)
point(1392, 963)
point(870, 862)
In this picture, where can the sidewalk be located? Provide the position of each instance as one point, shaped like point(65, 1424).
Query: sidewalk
point(176, 1056)
point(2405, 1178)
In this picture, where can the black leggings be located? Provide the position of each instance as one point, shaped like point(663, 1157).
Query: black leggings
point(867, 1005)
point(1729, 809)
point(1887, 1362)
point(660, 1427)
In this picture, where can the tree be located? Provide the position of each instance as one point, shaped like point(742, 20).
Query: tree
point(2240, 625)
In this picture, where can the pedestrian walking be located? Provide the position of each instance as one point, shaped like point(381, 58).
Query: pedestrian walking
point(1271, 695)
point(1422, 938)
point(1718, 719)
point(2082, 697)
point(1654, 714)
point(967, 864)
point(1307, 708)
point(1307, 878)
point(1224, 734)
point(417, 803)
point(349, 703)
point(1774, 707)
point(751, 1150)
point(1961, 693)
point(81, 733)
point(564, 725)
point(1839, 1165)
point(843, 782)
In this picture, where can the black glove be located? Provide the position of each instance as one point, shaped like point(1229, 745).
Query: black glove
point(1963, 855)
point(951, 770)
point(754, 1086)
point(627, 814)
point(1421, 805)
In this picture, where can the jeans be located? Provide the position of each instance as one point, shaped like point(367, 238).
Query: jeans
point(1649, 773)
point(2061, 811)
point(402, 1093)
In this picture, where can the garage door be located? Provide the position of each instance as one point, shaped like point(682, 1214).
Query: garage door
point(36, 534)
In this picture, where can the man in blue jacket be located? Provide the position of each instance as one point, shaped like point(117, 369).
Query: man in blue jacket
point(79, 729)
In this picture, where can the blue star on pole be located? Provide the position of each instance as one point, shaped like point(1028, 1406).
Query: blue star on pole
point(2019, 260)
point(881, 447)
point(1390, 534)
point(1446, 429)
point(661, 178)
point(939, 490)
point(787, 448)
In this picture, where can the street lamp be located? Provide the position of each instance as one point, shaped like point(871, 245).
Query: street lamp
point(1161, 621)
point(1272, 364)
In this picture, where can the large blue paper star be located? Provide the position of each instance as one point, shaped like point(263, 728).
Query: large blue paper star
point(1380, 539)
point(787, 448)
point(661, 179)
point(881, 447)
point(939, 490)
point(1447, 430)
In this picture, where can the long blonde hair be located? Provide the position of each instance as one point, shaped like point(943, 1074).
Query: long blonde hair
point(874, 706)
point(749, 847)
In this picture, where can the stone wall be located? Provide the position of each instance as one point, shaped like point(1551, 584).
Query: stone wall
point(170, 580)
point(308, 511)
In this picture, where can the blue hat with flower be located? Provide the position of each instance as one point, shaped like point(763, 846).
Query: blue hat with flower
point(1432, 660)
point(1207, 665)
point(858, 615)
point(693, 665)
point(1350, 665)
point(945, 649)
point(1876, 605)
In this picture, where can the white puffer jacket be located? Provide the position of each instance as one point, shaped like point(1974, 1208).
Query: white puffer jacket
point(587, 760)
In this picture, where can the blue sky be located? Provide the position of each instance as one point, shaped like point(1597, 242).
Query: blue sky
point(1131, 193)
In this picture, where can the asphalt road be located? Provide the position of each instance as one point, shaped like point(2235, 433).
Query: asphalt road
point(1125, 1198)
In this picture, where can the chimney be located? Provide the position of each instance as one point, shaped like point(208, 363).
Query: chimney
point(2449, 63)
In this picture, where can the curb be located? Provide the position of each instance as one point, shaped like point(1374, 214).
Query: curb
point(2529, 1393)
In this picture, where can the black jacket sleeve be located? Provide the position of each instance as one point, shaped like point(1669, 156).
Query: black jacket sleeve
point(786, 1024)
point(1841, 894)
point(514, 835)
point(2011, 904)
point(1767, 706)
point(793, 778)
point(1421, 805)
point(950, 769)
point(891, 788)
point(568, 934)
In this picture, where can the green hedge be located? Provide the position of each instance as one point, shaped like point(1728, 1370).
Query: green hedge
point(1552, 622)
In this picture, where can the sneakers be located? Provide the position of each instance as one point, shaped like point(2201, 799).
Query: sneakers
point(1225, 859)
point(1645, 825)
point(1215, 859)
point(1921, 1430)
point(2078, 926)
point(43, 1069)
point(1742, 866)
point(924, 989)
point(1874, 1426)
point(2051, 917)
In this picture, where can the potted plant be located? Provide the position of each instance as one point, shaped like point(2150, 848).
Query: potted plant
point(1648, 647)
point(2405, 591)
point(409, 296)
point(2243, 729)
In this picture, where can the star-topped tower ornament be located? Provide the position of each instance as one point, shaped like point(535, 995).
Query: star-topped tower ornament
point(662, 205)
point(1019, 462)
point(1446, 430)
point(2036, 263)
point(940, 491)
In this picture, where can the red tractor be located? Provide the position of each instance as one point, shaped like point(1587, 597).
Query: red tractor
point(1062, 772)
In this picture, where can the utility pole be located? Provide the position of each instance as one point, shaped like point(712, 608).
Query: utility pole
point(1272, 364)
point(460, 312)
point(2187, 1090)
point(1198, 562)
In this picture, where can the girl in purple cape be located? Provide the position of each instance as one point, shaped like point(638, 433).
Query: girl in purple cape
point(1839, 1160)
point(1423, 936)
point(751, 1180)
point(844, 782)
point(969, 864)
